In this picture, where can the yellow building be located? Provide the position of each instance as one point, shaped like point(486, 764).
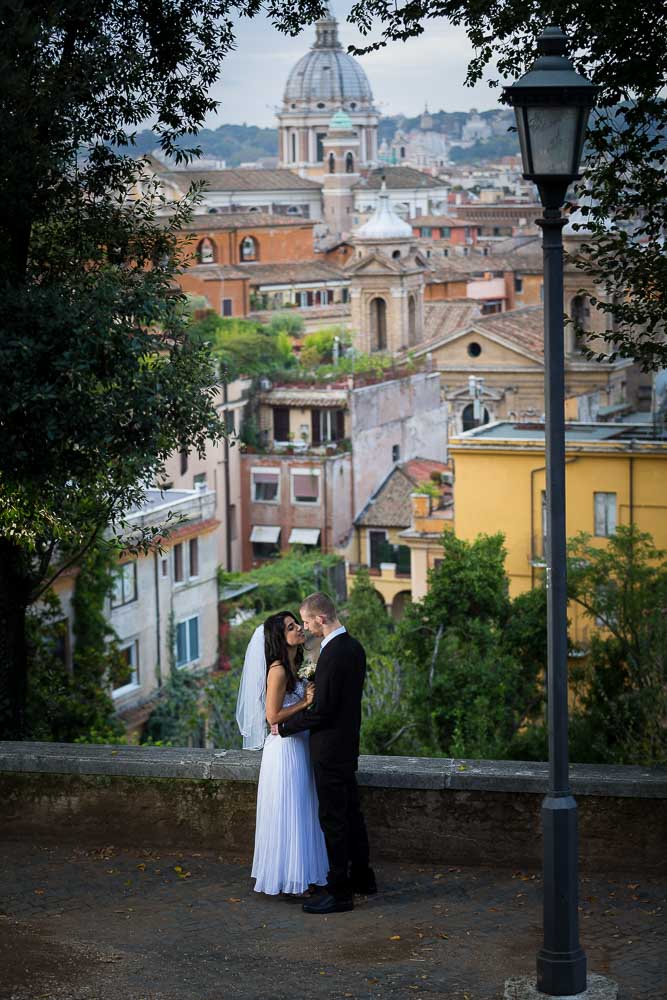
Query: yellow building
point(615, 474)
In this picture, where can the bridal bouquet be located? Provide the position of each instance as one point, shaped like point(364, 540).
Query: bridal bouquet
point(307, 670)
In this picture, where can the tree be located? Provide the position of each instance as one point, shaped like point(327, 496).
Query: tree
point(471, 657)
point(622, 588)
point(99, 381)
point(621, 48)
point(366, 616)
point(243, 346)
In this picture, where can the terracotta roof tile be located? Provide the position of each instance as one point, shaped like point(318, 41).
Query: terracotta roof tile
point(391, 506)
point(241, 179)
point(398, 178)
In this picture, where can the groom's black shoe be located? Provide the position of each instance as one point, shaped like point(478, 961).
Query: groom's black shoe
point(329, 904)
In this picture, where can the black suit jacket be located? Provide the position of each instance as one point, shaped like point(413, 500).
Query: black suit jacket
point(334, 718)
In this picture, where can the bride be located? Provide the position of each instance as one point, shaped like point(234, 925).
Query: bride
point(290, 854)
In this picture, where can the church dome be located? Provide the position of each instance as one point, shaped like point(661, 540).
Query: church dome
point(384, 224)
point(327, 74)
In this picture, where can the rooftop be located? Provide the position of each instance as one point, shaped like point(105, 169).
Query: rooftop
point(242, 220)
point(390, 506)
point(289, 273)
point(240, 179)
point(397, 178)
point(575, 433)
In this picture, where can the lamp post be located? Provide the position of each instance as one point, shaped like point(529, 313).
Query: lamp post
point(552, 104)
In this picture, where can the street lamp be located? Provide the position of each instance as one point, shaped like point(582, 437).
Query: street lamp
point(552, 103)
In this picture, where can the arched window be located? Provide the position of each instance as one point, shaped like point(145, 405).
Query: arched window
point(293, 147)
point(412, 320)
point(249, 248)
point(396, 254)
point(378, 324)
point(402, 152)
point(206, 251)
point(349, 163)
point(332, 163)
point(580, 313)
point(468, 417)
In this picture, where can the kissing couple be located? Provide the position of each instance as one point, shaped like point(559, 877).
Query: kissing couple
point(309, 759)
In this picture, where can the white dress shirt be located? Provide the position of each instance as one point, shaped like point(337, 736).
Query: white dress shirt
point(332, 635)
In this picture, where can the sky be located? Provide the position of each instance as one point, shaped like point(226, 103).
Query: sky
point(403, 76)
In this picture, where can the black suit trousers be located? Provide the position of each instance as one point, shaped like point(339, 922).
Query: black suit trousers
point(343, 825)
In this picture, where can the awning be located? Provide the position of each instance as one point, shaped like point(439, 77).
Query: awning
point(269, 533)
point(304, 536)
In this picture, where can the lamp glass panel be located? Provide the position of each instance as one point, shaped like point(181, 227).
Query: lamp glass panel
point(554, 138)
point(523, 140)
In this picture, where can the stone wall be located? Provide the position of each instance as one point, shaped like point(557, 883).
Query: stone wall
point(436, 811)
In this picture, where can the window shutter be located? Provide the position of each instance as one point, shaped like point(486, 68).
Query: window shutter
point(600, 519)
point(340, 425)
point(315, 436)
point(611, 513)
point(193, 628)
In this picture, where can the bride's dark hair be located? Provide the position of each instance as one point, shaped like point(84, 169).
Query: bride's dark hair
point(276, 648)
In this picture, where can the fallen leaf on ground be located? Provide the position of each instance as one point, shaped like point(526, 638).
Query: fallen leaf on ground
point(232, 899)
point(395, 937)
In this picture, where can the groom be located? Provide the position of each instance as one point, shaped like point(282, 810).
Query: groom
point(334, 720)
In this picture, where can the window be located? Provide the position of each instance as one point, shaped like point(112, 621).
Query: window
point(281, 423)
point(474, 349)
point(265, 540)
point(445, 252)
point(445, 232)
point(227, 307)
point(178, 563)
point(194, 557)
point(345, 295)
point(321, 136)
point(426, 231)
point(376, 542)
point(206, 251)
point(396, 254)
point(306, 486)
point(249, 248)
point(469, 420)
point(604, 514)
point(187, 641)
point(230, 422)
point(518, 284)
point(128, 675)
point(395, 452)
point(265, 485)
point(124, 585)
point(332, 163)
point(349, 163)
point(293, 147)
point(327, 425)
point(198, 480)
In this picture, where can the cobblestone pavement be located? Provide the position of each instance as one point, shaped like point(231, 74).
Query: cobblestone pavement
point(107, 924)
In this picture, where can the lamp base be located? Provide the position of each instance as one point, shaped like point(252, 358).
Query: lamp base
point(597, 988)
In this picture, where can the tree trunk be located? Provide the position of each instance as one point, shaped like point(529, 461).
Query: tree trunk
point(15, 586)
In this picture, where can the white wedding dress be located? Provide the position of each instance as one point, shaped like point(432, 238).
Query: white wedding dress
point(290, 853)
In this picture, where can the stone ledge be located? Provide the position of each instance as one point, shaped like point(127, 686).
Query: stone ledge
point(377, 772)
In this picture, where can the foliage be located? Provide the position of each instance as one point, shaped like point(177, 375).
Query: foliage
point(620, 47)
point(285, 322)
point(220, 696)
point(366, 616)
point(68, 706)
point(242, 346)
point(469, 657)
point(178, 719)
point(235, 144)
point(623, 686)
point(100, 383)
point(318, 346)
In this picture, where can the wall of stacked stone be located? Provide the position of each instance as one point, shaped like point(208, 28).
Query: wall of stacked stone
point(437, 811)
